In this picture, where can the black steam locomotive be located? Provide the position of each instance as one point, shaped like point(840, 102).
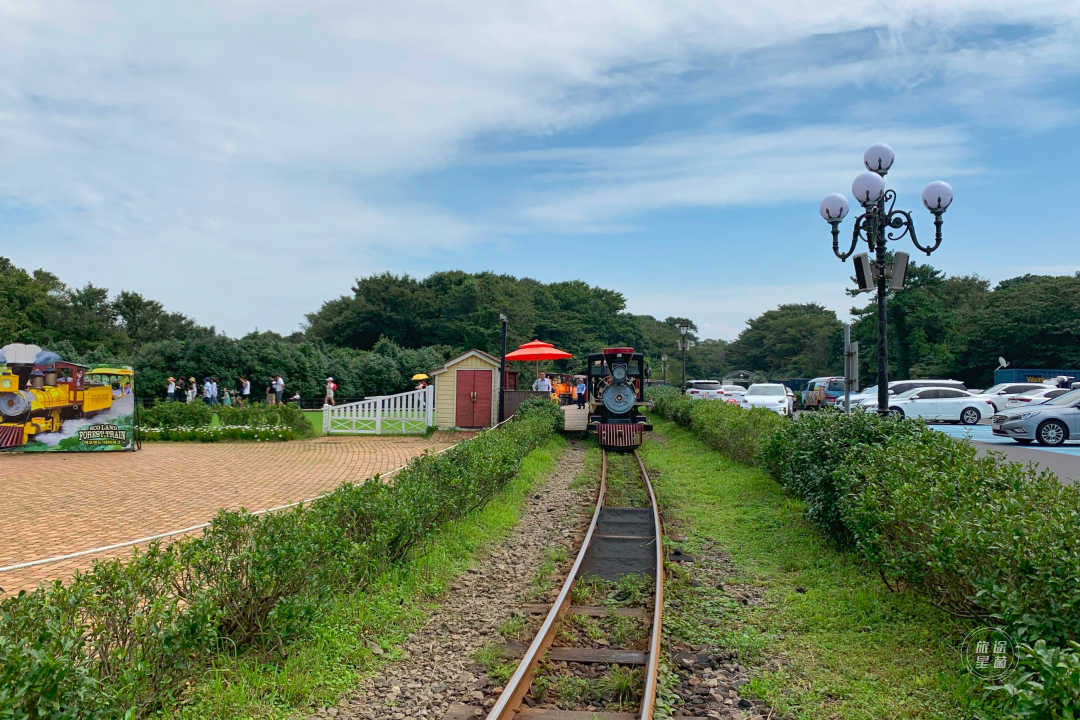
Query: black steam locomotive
point(616, 383)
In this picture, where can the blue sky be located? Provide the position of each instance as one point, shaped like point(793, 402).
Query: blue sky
point(242, 162)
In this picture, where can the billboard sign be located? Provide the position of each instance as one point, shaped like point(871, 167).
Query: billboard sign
point(50, 405)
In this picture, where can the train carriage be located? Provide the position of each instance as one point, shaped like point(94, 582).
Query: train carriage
point(615, 379)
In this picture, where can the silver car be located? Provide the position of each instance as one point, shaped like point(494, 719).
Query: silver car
point(1051, 423)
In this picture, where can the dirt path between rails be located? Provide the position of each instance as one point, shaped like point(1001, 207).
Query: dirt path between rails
point(438, 669)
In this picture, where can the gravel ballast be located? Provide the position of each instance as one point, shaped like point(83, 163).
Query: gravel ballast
point(437, 669)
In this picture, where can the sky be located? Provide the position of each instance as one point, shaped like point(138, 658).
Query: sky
point(242, 161)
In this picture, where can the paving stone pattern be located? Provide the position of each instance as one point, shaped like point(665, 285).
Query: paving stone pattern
point(55, 504)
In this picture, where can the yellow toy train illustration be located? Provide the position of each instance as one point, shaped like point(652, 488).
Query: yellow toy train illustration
point(39, 391)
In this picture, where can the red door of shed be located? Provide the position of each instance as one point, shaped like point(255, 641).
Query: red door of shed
point(473, 398)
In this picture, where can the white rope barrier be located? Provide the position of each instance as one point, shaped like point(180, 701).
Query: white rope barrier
point(129, 543)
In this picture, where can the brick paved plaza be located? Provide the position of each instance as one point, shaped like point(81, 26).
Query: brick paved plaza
point(57, 504)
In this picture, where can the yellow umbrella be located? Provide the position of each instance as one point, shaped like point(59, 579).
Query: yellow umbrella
point(419, 376)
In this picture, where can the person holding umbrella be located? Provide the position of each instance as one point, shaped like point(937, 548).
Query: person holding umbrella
point(422, 378)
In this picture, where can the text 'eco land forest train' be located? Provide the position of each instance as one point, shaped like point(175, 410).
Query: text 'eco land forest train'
point(616, 383)
point(39, 391)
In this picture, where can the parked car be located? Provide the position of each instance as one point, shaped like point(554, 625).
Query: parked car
point(944, 404)
point(896, 387)
point(704, 389)
point(1001, 393)
point(1051, 423)
point(713, 390)
point(822, 392)
point(771, 396)
point(1034, 397)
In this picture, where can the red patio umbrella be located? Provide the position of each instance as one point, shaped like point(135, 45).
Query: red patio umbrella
point(537, 350)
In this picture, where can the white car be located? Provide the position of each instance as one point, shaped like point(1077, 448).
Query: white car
point(1034, 397)
point(896, 387)
point(713, 390)
point(771, 396)
point(704, 389)
point(1001, 393)
point(942, 404)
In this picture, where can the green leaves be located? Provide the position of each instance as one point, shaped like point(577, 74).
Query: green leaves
point(118, 640)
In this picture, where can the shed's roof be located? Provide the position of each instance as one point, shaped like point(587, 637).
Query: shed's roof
point(472, 353)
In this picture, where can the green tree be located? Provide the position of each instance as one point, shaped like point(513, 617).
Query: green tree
point(929, 325)
point(793, 341)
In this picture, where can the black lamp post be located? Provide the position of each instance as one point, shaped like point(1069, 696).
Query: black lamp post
point(877, 225)
point(684, 328)
point(502, 371)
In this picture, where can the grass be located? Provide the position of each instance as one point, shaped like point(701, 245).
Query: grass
point(315, 418)
point(336, 653)
point(849, 648)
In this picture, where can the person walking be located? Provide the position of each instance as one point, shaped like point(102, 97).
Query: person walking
point(279, 391)
point(245, 391)
point(189, 396)
point(170, 393)
point(331, 386)
point(271, 391)
point(213, 391)
point(542, 384)
point(206, 389)
point(296, 399)
point(581, 392)
point(226, 398)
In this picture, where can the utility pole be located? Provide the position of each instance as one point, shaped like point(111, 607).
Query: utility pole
point(663, 365)
point(502, 371)
point(851, 367)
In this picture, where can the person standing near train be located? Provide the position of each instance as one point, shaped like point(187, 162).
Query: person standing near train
point(582, 390)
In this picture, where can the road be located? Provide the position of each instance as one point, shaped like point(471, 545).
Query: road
point(1063, 461)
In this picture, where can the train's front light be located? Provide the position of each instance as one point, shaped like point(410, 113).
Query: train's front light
point(5, 383)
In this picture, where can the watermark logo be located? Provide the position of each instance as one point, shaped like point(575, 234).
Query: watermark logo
point(989, 653)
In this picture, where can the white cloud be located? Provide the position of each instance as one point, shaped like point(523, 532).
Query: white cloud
point(242, 161)
point(723, 312)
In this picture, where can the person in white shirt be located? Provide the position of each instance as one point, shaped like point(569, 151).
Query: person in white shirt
point(279, 390)
point(171, 392)
point(542, 384)
point(206, 390)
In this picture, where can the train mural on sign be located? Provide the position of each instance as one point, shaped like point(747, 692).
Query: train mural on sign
point(49, 404)
point(616, 387)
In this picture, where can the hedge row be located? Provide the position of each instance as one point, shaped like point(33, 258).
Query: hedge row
point(255, 421)
point(990, 540)
point(120, 639)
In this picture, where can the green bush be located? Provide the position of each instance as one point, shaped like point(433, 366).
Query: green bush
point(723, 426)
point(737, 432)
point(803, 456)
point(980, 537)
point(1048, 687)
point(120, 639)
point(544, 407)
point(192, 423)
point(176, 414)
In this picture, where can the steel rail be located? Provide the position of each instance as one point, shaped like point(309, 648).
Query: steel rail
point(652, 671)
point(510, 700)
point(506, 707)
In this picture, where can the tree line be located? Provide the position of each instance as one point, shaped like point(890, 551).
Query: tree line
point(392, 326)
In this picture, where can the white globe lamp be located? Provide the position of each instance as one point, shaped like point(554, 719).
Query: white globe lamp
point(879, 158)
point(868, 187)
point(937, 196)
point(834, 207)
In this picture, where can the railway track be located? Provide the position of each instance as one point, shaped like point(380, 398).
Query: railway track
point(620, 542)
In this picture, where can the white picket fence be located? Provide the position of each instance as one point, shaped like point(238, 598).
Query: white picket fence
point(404, 413)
